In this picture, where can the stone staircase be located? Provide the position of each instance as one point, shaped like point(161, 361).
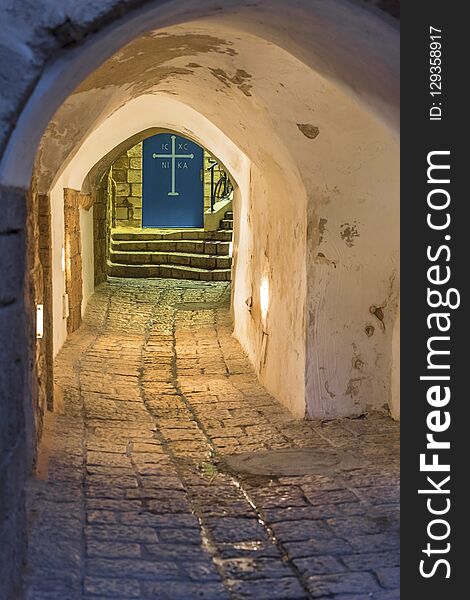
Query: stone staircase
point(169, 253)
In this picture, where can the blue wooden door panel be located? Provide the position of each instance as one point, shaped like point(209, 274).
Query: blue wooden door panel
point(172, 182)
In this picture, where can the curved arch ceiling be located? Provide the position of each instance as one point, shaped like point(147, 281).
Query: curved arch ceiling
point(226, 79)
point(245, 85)
point(354, 49)
point(138, 116)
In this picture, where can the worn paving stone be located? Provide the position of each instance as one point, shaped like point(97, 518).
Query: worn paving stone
point(254, 568)
point(131, 499)
point(268, 589)
point(389, 577)
point(342, 583)
point(183, 590)
point(108, 587)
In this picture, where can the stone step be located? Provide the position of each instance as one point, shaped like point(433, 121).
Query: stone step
point(226, 225)
point(200, 261)
point(168, 271)
point(229, 215)
point(210, 247)
point(182, 253)
point(187, 234)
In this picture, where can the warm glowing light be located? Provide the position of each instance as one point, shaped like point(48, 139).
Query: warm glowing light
point(264, 298)
point(39, 321)
point(63, 259)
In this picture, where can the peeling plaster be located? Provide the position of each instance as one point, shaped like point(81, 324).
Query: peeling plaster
point(322, 259)
point(378, 312)
point(353, 387)
point(321, 228)
point(239, 79)
point(146, 59)
point(309, 131)
point(357, 362)
point(329, 392)
point(348, 233)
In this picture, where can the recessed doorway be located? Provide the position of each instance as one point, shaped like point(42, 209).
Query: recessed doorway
point(173, 182)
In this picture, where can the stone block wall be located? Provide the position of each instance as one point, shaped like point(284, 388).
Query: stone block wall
point(45, 257)
point(126, 174)
point(16, 359)
point(73, 258)
point(35, 291)
point(26, 379)
point(101, 226)
point(208, 159)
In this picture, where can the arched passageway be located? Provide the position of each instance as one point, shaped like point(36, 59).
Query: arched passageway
point(311, 145)
point(331, 207)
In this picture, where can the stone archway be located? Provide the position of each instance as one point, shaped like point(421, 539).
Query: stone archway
point(291, 157)
point(339, 223)
point(125, 127)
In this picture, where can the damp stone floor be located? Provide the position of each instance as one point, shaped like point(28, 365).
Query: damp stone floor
point(132, 497)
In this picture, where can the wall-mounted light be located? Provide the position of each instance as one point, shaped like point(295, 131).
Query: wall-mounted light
point(63, 259)
point(264, 299)
point(230, 249)
point(39, 321)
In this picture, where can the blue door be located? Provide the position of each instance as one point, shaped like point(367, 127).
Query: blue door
point(172, 178)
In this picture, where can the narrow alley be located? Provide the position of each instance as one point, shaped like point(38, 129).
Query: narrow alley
point(133, 497)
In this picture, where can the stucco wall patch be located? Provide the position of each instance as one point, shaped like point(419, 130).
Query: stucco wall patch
point(309, 131)
point(349, 232)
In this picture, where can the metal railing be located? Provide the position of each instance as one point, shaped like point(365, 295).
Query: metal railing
point(222, 188)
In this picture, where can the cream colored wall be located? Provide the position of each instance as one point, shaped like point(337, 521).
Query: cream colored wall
point(353, 264)
point(269, 250)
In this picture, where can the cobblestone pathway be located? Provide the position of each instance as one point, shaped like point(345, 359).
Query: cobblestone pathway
point(128, 501)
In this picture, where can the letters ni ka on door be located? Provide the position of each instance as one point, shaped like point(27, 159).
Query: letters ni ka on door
point(172, 184)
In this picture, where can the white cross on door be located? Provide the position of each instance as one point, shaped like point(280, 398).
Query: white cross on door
point(173, 157)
